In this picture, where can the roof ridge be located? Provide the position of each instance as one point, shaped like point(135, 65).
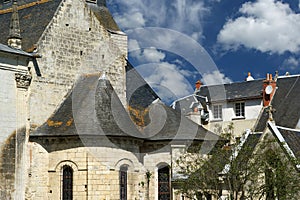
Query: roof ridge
point(9, 10)
point(288, 129)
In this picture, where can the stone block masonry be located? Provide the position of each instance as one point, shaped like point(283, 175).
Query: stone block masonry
point(74, 43)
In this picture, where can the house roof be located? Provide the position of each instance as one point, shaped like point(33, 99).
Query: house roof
point(139, 94)
point(35, 15)
point(232, 91)
point(8, 49)
point(289, 140)
point(104, 16)
point(292, 139)
point(93, 108)
point(169, 124)
point(285, 102)
point(187, 104)
point(243, 151)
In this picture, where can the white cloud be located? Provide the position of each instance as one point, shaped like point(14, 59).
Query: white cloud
point(153, 55)
point(133, 45)
point(182, 15)
point(131, 20)
point(149, 55)
point(167, 79)
point(215, 78)
point(290, 63)
point(266, 25)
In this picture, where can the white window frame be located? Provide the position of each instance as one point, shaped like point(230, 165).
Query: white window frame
point(239, 112)
point(218, 114)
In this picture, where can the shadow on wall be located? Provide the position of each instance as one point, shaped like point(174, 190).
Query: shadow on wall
point(7, 164)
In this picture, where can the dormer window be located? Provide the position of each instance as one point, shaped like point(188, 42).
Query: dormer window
point(240, 109)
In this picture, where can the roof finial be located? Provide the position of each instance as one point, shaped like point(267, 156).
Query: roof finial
point(270, 111)
point(14, 38)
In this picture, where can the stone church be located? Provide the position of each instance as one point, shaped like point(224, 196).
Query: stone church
point(73, 123)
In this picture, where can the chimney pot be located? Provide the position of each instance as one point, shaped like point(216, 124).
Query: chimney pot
point(249, 78)
point(267, 92)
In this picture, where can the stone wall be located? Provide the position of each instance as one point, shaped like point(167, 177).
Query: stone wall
point(14, 82)
point(7, 167)
point(95, 172)
point(74, 43)
point(7, 104)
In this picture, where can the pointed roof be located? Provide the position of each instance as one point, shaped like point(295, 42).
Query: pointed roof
point(93, 108)
point(139, 94)
point(289, 140)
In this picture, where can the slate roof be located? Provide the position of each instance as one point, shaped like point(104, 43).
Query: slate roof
point(187, 104)
point(8, 49)
point(249, 146)
point(93, 108)
point(104, 16)
point(232, 91)
point(35, 15)
point(286, 104)
point(285, 101)
point(292, 138)
point(139, 94)
point(33, 21)
point(169, 124)
point(244, 150)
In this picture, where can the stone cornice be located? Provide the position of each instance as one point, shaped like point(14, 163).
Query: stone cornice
point(23, 80)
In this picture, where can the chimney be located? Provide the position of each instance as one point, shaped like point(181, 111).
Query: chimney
point(269, 87)
point(198, 85)
point(249, 78)
point(14, 38)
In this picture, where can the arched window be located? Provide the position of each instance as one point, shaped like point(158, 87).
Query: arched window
point(164, 183)
point(67, 183)
point(123, 182)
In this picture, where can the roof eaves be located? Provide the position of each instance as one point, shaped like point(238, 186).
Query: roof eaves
point(282, 142)
point(7, 49)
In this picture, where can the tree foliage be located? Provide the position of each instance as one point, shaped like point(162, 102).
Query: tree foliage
point(255, 168)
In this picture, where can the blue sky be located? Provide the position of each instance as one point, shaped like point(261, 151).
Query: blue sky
point(239, 36)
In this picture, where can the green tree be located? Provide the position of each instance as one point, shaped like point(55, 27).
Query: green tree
point(255, 168)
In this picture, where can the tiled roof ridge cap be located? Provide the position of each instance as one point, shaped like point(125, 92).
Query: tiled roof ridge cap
point(288, 76)
point(231, 83)
point(8, 10)
point(288, 129)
